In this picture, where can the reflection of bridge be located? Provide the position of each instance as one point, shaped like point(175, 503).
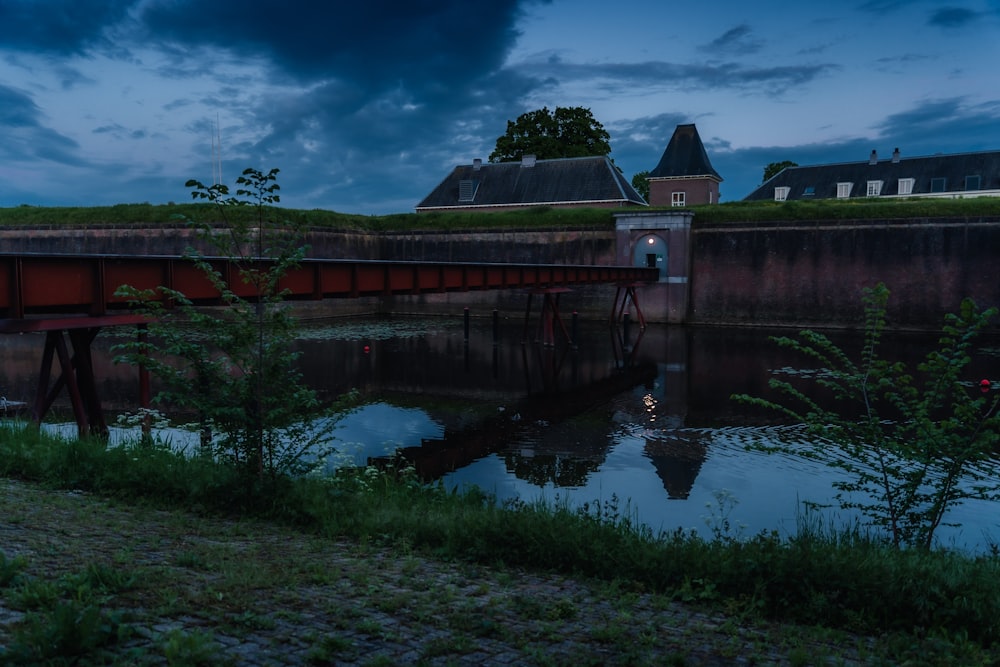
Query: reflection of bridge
point(73, 296)
point(456, 449)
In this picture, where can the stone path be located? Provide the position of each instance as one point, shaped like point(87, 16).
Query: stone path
point(191, 590)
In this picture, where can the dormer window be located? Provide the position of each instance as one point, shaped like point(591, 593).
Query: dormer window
point(874, 188)
point(905, 186)
point(781, 194)
point(844, 190)
point(938, 184)
point(466, 190)
point(972, 182)
point(809, 191)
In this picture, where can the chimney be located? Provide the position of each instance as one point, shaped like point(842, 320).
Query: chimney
point(895, 156)
point(873, 159)
point(527, 160)
point(477, 164)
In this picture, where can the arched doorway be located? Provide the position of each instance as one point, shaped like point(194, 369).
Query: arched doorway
point(651, 252)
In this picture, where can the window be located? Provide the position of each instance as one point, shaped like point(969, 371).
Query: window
point(938, 184)
point(809, 191)
point(906, 186)
point(844, 190)
point(678, 198)
point(971, 182)
point(874, 188)
point(466, 190)
point(781, 194)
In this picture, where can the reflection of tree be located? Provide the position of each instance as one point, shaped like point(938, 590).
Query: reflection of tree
point(556, 469)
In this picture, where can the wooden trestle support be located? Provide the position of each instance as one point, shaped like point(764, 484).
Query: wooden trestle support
point(76, 370)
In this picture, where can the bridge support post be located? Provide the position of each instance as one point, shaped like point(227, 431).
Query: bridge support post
point(548, 318)
point(76, 375)
point(76, 366)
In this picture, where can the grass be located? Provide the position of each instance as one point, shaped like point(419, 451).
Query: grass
point(938, 603)
point(177, 214)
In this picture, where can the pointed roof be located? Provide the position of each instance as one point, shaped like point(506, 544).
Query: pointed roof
point(581, 181)
point(685, 156)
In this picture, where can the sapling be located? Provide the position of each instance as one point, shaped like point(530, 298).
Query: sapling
point(912, 445)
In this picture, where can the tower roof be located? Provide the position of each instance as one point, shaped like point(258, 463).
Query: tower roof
point(685, 156)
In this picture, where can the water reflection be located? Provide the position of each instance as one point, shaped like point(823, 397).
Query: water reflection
point(644, 421)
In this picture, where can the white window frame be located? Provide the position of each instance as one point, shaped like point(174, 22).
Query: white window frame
point(781, 193)
point(906, 186)
point(678, 198)
point(844, 189)
point(874, 188)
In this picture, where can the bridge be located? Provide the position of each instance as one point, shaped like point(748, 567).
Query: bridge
point(73, 296)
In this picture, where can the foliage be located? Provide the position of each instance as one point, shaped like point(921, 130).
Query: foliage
point(774, 168)
point(233, 365)
point(566, 132)
point(862, 208)
point(812, 578)
point(640, 182)
point(912, 446)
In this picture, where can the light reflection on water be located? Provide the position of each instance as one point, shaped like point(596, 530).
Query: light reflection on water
point(654, 435)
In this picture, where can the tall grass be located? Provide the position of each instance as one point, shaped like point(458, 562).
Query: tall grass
point(845, 581)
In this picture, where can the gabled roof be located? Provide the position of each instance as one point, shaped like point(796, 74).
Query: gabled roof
point(582, 181)
point(820, 181)
point(684, 156)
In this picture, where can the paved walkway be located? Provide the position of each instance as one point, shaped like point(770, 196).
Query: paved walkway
point(204, 590)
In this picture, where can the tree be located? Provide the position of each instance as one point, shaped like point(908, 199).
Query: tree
point(568, 132)
point(233, 365)
point(776, 167)
point(641, 184)
point(912, 445)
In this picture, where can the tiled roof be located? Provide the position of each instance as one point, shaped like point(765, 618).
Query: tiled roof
point(684, 156)
point(582, 181)
point(820, 181)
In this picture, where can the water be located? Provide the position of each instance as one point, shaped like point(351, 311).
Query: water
point(642, 425)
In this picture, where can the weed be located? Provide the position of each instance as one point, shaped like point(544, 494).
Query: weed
point(190, 649)
point(10, 569)
point(68, 630)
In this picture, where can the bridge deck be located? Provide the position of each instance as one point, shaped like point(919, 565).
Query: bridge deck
point(85, 284)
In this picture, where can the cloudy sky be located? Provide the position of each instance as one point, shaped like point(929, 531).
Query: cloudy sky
point(366, 106)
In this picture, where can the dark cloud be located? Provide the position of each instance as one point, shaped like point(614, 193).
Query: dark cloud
point(952, 17)
point(58, 26)
point(625, 77)
point(735, 41)
point(374, 43)
point(25, 138)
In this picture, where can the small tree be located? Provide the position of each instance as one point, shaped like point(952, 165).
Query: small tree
point(774, 168)
point(912, 447)
point(641, 184)
point(568, 132)
point(233, 365)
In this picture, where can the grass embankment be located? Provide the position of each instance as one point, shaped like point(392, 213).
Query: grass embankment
point(935, 605)
point(861, 209)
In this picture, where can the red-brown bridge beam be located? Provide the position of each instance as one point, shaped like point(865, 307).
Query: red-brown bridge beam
point(86, 284)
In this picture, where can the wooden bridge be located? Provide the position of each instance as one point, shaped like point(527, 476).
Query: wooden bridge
point(73, 296)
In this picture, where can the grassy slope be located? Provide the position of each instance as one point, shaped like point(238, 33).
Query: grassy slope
point(124, 214)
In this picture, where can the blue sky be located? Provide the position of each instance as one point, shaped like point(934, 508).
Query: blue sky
point(365, 107)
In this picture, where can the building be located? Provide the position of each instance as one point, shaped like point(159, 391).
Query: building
point(584, 182)
point(684, 176)
point(958, 175)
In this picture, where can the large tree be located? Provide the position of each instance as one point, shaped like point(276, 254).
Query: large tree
point(567, 132)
